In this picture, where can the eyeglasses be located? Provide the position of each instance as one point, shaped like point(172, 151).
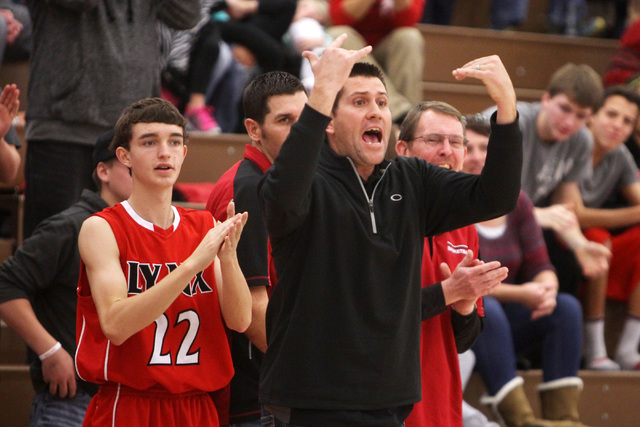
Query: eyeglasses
point(437, 139)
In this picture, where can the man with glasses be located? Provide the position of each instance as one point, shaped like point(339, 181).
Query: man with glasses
point(435, 132)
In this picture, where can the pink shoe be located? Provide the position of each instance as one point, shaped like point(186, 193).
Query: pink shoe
point(201, 119)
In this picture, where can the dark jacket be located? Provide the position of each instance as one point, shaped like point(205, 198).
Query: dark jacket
point(343, 323)
point(45, 271)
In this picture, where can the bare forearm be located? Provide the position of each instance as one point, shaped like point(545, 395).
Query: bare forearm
point(122, 318)
point(609, 218)
point(235, 298)
point(9, 161)
point(506, 292)
point(547, 277)
point(257, 331)
point(20, 317)
point(572, 237)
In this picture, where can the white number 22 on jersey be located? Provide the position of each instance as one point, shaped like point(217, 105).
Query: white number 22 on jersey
point(183, 357)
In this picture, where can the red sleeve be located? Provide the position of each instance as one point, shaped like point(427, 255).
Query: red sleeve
point(406, 18)
point(338, 15)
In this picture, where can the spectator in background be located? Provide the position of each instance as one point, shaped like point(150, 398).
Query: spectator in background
point(232, 36)
point(90, 59)
point(508, 13)
point(438, 12)
point(255, 31)
point(614, 171)
point(9, 141)
point(632, 143)
point(565, 16)
point(192, 57)
point(307, 32)
point(557, 149)
point(524, 311)
point(398, 47)
point(625, 62)
point(38, 294)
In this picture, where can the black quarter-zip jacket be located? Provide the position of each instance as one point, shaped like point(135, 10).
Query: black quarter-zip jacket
point(343, 323)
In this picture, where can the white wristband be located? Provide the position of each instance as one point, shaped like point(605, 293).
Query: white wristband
point(57, 346)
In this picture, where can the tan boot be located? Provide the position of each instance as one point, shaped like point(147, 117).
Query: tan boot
point(559, 400)
point(512, 408)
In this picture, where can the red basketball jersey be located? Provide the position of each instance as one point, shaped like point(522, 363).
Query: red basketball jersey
point(186, 348)
point(441, 403)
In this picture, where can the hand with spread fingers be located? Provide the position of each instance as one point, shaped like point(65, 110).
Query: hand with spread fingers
point(230, 242)
point(491, 71)
point(331, 71)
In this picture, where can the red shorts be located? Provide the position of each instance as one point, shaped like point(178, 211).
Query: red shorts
point(624, 267)
point(118, 405)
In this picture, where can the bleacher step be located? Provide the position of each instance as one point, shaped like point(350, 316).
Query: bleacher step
point(608, 398)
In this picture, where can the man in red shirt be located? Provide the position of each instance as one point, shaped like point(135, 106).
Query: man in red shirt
point(434, 132)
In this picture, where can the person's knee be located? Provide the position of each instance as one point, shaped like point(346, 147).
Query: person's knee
point(407, 37)
point(491, 305)
point(354, 38)
point(568, 309)
point(494, 316)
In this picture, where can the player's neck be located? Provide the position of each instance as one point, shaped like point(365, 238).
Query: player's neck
point(154, 207)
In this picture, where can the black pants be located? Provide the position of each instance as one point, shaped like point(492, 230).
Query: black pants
point(567, 266)
point(56, 172)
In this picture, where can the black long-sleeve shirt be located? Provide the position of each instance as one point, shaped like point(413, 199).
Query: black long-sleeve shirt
point(44, 270)
point(343, 324)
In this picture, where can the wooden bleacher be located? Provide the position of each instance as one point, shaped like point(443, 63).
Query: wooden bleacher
point(208, 157)
point(16, 392)
point(530, 60)
point(611, 399)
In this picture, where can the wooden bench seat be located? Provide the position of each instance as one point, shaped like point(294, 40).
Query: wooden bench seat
point(530, 59)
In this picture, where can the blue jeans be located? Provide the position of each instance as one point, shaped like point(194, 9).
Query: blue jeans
point(509, 330)
point(566, 12)
point(268, 420)
point(48, 410)
point(508, 12)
